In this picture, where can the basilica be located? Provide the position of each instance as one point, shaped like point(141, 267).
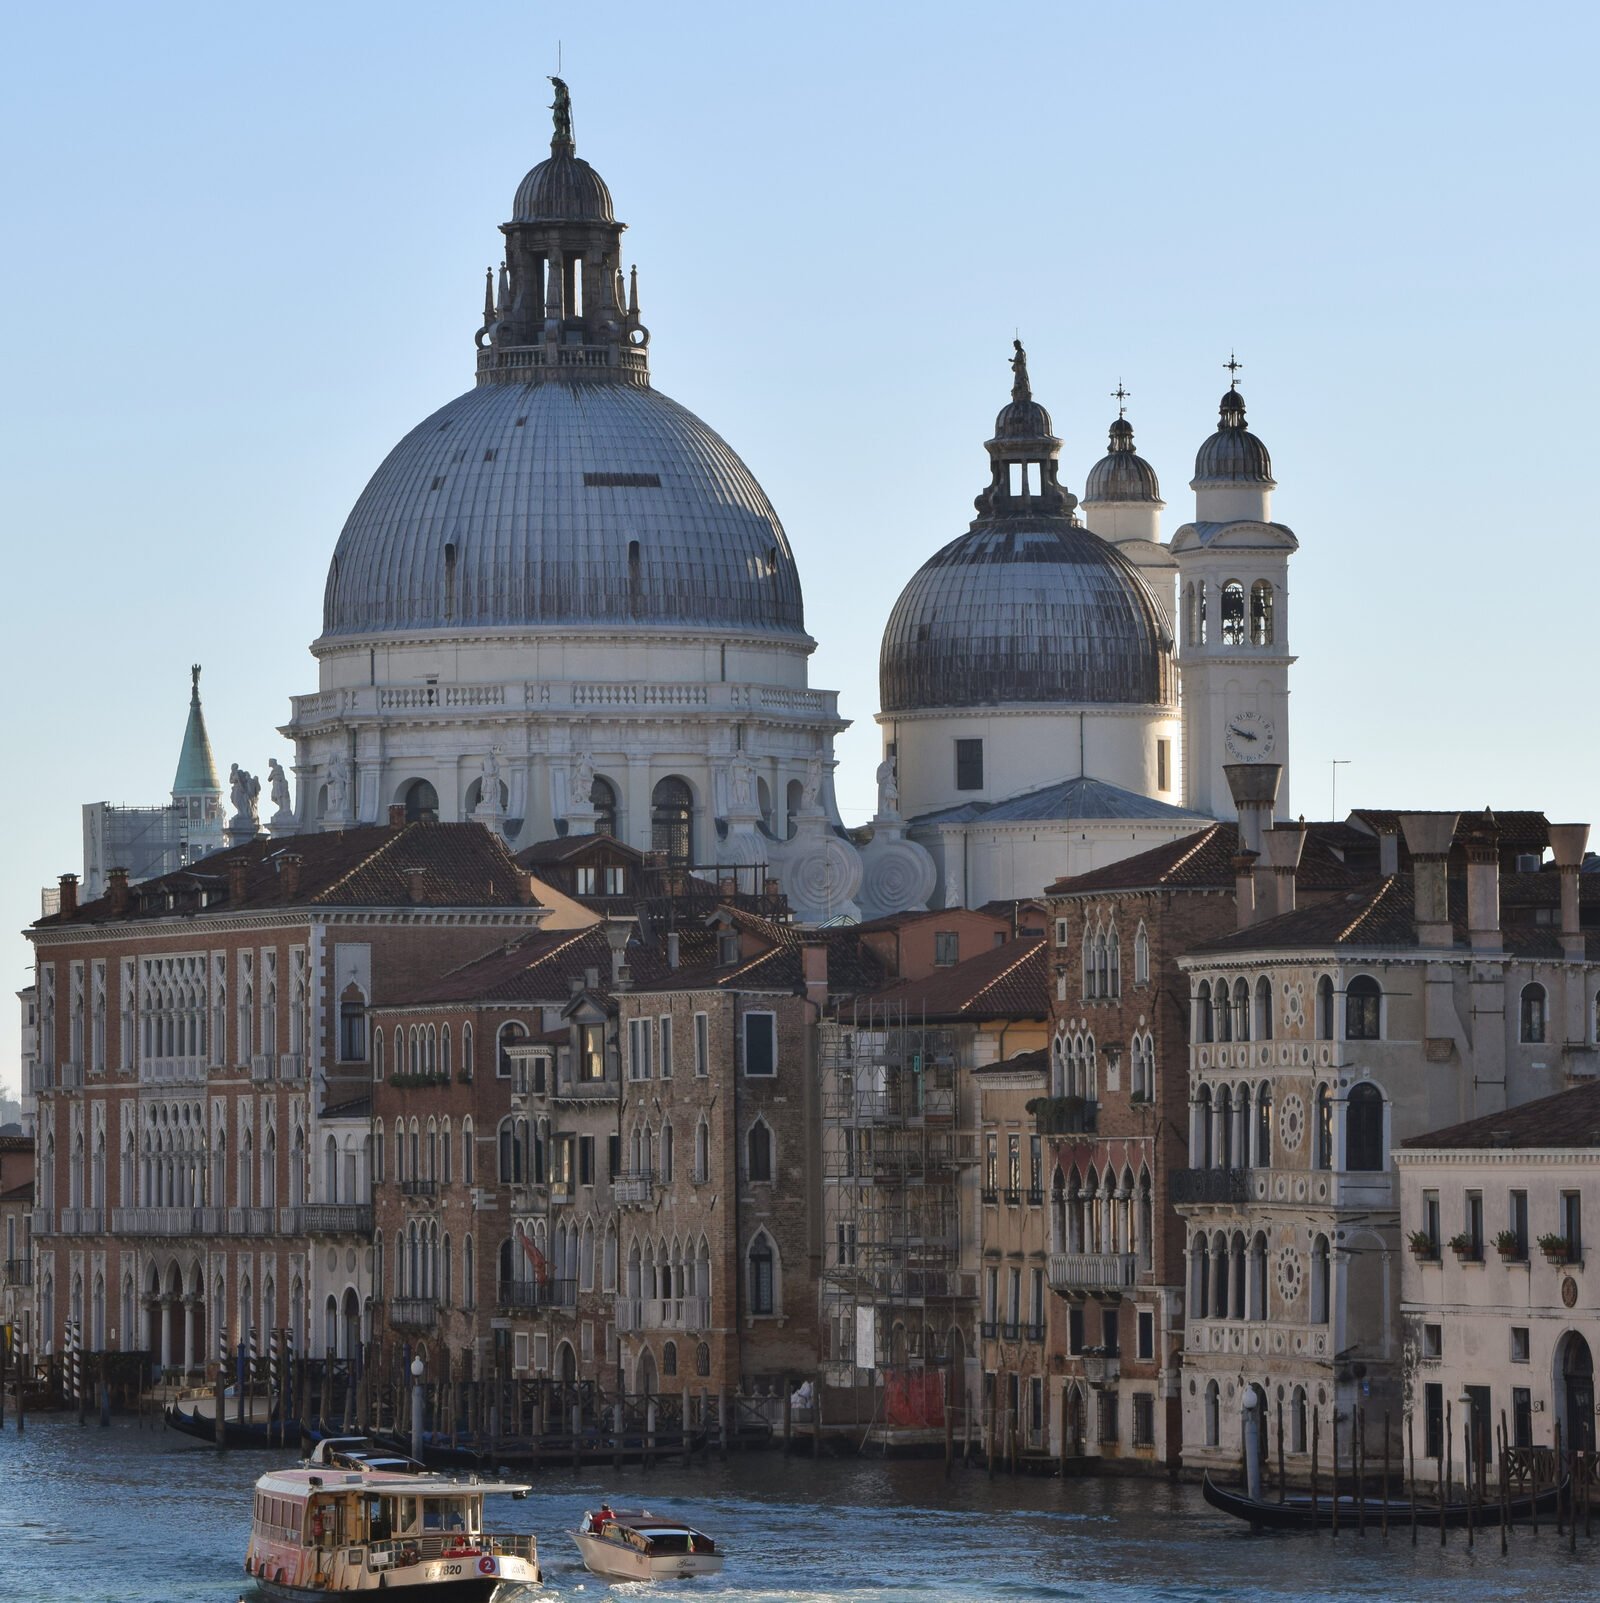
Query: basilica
point(563, 606)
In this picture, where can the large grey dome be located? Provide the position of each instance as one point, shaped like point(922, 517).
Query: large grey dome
point(1233, 455)
point(563, 187)
point(562, 503)
point(1025, 610)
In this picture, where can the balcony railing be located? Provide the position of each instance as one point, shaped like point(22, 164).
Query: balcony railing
point(633, 1190)
point(41, 1077)
point(662, 1313)
point(529, 1294)
point(44, 1222)
point(19, 1271)
point(83, 1221)
point(158, 1222)
point(419, 1188)
point(173, 1071)
point(1093, 1271)
point(336, 1218)
point(291, 1065)
point(1065, 1115)
point(569, 1088)
point(261, 1066)
point(1209, 1185)
point(413, 1313)
point(988, 1329)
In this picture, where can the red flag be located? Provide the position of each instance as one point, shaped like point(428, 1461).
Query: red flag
point(541, 1268)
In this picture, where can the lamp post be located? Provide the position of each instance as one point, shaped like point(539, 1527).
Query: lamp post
point(416, 1409)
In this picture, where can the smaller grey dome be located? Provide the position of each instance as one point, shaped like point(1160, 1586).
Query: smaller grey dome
point(1122, 474)
point(1233, 455)
point(564, 188)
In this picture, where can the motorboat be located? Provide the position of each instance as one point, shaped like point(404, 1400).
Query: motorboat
point(636, 1545)
point(354, 1518)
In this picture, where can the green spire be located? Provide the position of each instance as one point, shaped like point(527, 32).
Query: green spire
point(197, 772)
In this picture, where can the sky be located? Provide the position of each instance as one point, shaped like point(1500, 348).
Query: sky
point(245, 252)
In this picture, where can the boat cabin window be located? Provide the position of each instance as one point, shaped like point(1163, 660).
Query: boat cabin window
point(445, 1514)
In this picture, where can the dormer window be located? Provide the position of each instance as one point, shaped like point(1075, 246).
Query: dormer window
point(728, 948)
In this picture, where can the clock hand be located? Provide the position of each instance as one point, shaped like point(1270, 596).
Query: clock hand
point(1243, 734)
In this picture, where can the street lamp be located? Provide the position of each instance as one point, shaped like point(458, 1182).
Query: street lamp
point(416, 1408)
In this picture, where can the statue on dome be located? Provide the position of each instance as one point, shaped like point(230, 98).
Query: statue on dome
point(562, 107)
point(338, 786)
point(1021, 389)
point(741, 784)
point(244, 789)
point(811, 787)
point(888, 788)
point(581, 788)
point(278, 783)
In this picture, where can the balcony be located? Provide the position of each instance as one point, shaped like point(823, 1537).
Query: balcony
point(529, 1295)
point(19, 1271)
point(157, 1222)
point(43, 1222)
point(69, 1076)
point(248, 1221)
point(988, 1329)
point(172, 1071)
point(1064, 1115)
point(1009, 1329)
point(336, 1219)
point(261, 1066)
point(41, 1077)
point(1209, 1186)
point(413, 1313)
point(633, 1190)
point(662, 1313)
point(419, 1188)
point(1100, 1368)
point(1033, 1332)
point(569, 1088)
point(291, 1066)
point(1082, 1272)
point(83, 1221)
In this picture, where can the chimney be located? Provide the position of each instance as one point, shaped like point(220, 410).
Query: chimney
point(814, 968)
point(617, 933)
point(1388, 853)
point(1255, 794)
point(1284, 846)
point(1567, 842)
point(1244, 888)
point(575, 985)
point(237, 869)
point(672, 948)
point(1428, 839)
point(591, 978)
point(414, 883)
point(397, 815)
point(525, 893)
point(117, 889)
point(69, 895)
point(728, 886)
point(1482, 846)
point(289, 874)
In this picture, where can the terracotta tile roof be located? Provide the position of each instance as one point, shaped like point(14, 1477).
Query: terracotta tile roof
point(1009, 981)
point(16, 1143)
point(1518, 831)
point(453, 865)
point(853, 968)
point(566, 847)
point(1567, 1119)
point(1204, 861)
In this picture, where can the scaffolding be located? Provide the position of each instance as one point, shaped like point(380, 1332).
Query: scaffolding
point(896, 1136)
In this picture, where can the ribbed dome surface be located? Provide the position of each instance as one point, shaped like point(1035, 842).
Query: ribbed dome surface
point(1025, 611)
point(1122, 474)
point(564, 504)
point(564, 188)
point(1233, 455)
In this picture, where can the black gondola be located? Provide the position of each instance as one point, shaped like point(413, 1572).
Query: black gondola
point(1297, 1513)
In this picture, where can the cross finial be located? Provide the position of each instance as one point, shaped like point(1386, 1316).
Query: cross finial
point(1120, 395)
point(1235, 367)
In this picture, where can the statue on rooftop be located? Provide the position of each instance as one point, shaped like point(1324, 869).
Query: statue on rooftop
point(244, 789)
point(811, 787)
point(888, 788)
point(278, 783)
point(562, 107)
point(338, 786)
point(581, 787)
point(741, 783)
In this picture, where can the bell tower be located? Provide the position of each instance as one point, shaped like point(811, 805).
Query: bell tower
point(1233, 616)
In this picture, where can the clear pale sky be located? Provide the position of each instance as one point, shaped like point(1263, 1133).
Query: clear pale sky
point(245, 252)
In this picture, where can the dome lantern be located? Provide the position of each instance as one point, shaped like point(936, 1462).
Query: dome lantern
point(561, 313)
point(1024, 455)
point(1233, 469)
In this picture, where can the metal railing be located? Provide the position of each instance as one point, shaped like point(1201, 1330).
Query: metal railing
point(419, 1188)
point(537, 1294)
point(336, 1218)
point(19, 1271)
point(1209, 1185)
point(413, 1313)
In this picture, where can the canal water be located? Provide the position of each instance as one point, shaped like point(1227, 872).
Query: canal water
point(124, 1515)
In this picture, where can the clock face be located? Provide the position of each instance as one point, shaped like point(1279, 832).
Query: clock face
point(1249, 737)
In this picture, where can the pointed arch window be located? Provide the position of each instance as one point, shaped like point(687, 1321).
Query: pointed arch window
point(1141, 956)
point(758, 1148)
point(762, 1267)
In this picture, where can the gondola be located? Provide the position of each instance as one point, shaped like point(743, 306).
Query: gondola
point(258, 1432)
point(1296, 1512)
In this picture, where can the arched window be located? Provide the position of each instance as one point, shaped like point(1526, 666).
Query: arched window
point(666, 1154)
point(702, 1359)
point(1213, 1414)
point(1241, 1010)
point(1141, 956)
point(1533, 1014)
point(1233, 613)
point(762, 1266)
point(1324, 1128)
point(1219, 1269)
point(1221, 1013)
point(1195, 611)
point(669, 1359)
point(1297, 1421)
point(444, 1051)
point(422, 803)
point(603, 798)
point(1263, 1009)
point(759, 1151)
point(1258, 1277)
point(510, 1034)
point(702, 1151)
point(1324, 1009)
point(672, 820)
point(352, 1026)
point(1363, 1128)
point(1363, 1002)
point(1261, 613)
point(1202, 1012)
point(1204, 1146)
point(468, 1156)
point(1225, 1128)
point(377, 1054)
point(1200, 1258)
point(1263, 1155)
point(1321, 1280)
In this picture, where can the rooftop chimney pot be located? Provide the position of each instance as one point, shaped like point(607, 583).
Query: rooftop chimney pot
point(69, 895)
point(117, 889)
point(397, 815)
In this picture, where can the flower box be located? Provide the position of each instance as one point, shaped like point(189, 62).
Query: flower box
point(1557, 1249)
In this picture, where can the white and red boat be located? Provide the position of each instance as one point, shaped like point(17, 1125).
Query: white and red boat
point(636, 1545)
point(353, 1520)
